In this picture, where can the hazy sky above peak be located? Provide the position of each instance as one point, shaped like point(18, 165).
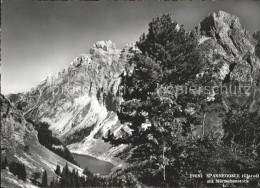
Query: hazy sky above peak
point(40, 38)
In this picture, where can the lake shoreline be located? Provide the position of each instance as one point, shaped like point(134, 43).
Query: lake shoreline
point(116, 162)
point(96, 166)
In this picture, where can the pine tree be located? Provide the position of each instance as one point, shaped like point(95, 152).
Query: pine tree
point(64, 176)
point(150, 95)
point(44, 134)
point(23, 173)
point(4, 163)
point(52, 184)
point(87, 172)
point(77, 183)
point(66, 169)
point(13, 168)
point(19, 170)
point(58, 171)
point(44, 179)
point(242, 131)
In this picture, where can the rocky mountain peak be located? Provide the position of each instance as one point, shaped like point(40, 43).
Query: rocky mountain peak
point(227, 30)
point(230, 51)
point(219, 22)
point(103, 45)
point(83, 59)
point(222, 33)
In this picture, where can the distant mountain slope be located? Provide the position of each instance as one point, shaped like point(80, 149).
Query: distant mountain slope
point(19, 143)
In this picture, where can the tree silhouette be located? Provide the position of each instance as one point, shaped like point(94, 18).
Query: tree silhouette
point(44, 179)
point(23, 173)
point(58, 171)
point(150, 96)
point(18, 169)
point(4, 163)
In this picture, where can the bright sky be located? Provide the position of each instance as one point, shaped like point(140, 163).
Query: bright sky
point(39, 37)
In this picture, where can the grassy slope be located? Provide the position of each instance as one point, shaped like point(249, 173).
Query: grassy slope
point(37, 159)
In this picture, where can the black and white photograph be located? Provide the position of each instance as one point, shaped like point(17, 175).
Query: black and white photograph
point(141, 93)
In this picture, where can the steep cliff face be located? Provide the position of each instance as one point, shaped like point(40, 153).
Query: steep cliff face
point(80, 101)
point(227, 44)
point(15, 130)
point(230, 52)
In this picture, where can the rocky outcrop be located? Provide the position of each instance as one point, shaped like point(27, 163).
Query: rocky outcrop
point(15, 130)
point(257, 49)
point(230, 52)
point(229, 43)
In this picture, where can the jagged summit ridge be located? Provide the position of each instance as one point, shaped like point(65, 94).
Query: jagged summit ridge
point(228, 31)
point(105, 45)
point(218, 21)
point(103, 57)
point(222, 33)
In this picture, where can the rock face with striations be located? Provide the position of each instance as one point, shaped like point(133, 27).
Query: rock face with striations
point(224, 35)
point(235, 45)
point(229, 50)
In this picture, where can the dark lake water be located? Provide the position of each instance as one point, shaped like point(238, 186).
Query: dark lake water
point(94, 165)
